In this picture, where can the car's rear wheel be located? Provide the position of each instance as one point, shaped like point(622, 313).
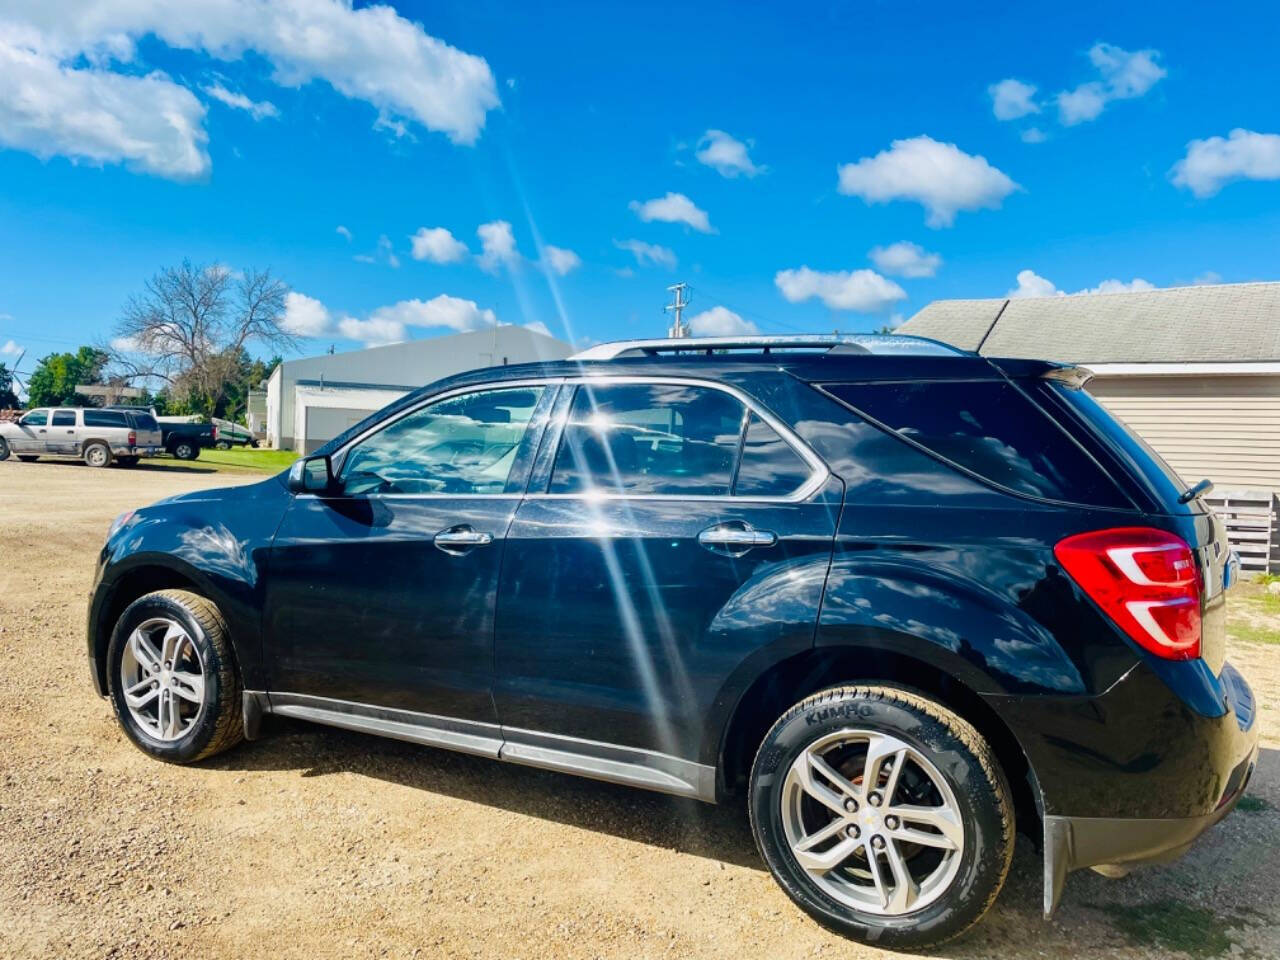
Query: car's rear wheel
point(97, 454)
point(4, 449)
point(223, 445)
point(882, 814)
point(185, 450)
point(173, 679)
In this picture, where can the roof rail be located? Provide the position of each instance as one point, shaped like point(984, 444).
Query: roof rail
point(868, 343)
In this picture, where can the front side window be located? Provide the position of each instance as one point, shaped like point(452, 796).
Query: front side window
point(36, 418)
point(465, 444)
point(642, 438)
point(64, 418)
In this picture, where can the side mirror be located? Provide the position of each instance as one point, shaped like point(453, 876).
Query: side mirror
point(311, 475)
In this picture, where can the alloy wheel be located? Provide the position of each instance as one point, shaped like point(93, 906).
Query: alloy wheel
point(162, 678)
point(873, 822)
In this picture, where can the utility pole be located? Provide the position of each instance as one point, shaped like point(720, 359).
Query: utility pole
point(679, 329)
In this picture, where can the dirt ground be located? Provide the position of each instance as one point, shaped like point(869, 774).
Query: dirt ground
point(314, 842)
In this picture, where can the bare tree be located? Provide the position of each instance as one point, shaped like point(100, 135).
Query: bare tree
point(190, 325)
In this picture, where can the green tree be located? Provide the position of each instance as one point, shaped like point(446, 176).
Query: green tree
point(55, 378)
point(8, 399)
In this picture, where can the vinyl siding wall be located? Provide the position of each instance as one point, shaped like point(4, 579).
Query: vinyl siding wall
point(1226, 428)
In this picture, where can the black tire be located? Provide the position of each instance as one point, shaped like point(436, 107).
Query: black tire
point(219, 725)
point(4, 449)
point(27, 458)
point(127, 461)
point(223, 445)
point(96, 454)
point(186, 450)
point(958, 753)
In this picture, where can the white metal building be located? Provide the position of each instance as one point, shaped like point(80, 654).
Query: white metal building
point(311, 400)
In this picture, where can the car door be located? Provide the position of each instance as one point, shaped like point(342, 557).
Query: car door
point(381, 594)
point(63, 436)
point(672, 536)
point(33, 432)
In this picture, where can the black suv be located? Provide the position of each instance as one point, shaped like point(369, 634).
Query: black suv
point(903, 597)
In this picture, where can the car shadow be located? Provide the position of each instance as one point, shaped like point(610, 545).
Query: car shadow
point(722, 832)
point(142, 466)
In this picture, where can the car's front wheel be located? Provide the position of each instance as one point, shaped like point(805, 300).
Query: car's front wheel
point(882, 814)
point(185, 450)
point(173, 678)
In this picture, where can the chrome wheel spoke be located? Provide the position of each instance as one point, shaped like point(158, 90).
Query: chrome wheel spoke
point(905, 889)
point(147, 656)
point(139, 700)
point(188, 686)
point(880, 750)
point(950, 835)
point(877, 878)
point(826, 859)
point(825, 795)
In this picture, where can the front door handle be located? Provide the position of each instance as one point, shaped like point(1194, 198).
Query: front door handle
point(736, 536)
point(462, 538)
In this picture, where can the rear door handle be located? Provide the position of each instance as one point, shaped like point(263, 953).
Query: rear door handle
point(736, 537)
point(462, 538)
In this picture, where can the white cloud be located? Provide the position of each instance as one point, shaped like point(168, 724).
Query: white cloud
point(537, 326)
point(939, 176)
point(1213, 163)
point(561, 260)
point(383, 252)
point(10, 348)
point(258, 109)
point(1207, 278)
point(440, 311)
point(1031, 284)
point(344, 232)
point(1033, 135)
point(373, 332)
point(726, 154)
point(148, 123)
point(720, 322)
point(648, 253)
point(1136, 285)
point(1011, 99)
point(497, 245)
point(1124, 75)
point(437, 245)
point(305, 316)
point(673, 208)
point(863, 291)
point(61, 92)
point(905, 259)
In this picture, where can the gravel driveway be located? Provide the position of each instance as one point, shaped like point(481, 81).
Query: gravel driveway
point(315, 842)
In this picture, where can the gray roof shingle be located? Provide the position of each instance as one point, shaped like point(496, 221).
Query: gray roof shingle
point(1236, 322)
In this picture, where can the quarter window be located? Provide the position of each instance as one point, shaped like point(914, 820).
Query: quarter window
point(463, 445)
point(642, 438)
point(64, 418)
point(770, 466)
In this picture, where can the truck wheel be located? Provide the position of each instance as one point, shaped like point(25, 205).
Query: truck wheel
point(97, 454)
point(185, 450)
point(172, 677)
point(223, 445)
point(4, 449)
point(883, 815)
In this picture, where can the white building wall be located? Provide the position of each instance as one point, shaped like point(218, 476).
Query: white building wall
point(400, 366)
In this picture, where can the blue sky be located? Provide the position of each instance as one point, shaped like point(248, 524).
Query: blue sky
point(133, 134)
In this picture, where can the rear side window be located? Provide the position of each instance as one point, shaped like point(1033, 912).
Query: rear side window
point(145, 421)
point(64, 418)
point(104, 418)
point(770, 467)
point(649, 438)
point(990, 429)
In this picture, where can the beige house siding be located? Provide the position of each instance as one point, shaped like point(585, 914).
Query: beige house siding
point(1226, 428)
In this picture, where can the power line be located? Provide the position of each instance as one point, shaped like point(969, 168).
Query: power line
point(679, 328)
point(768, 321)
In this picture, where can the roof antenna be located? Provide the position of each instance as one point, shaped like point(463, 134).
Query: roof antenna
point(679, 329)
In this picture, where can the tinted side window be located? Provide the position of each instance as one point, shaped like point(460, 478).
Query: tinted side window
point(36, 418)
point(104, 418)
point(642, 438)
point(992, 429)
point(145, 421)
point(64, 418)
point(770, 466)
point(465, 445)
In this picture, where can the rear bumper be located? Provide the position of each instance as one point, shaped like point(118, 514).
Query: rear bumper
point(1074, 842)
point(124, 450)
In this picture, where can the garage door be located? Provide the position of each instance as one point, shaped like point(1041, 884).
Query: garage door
point(325, 423)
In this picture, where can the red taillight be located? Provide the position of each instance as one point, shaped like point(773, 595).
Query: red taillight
point(215, 431)
point(1146, 580)
point(133, 439)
